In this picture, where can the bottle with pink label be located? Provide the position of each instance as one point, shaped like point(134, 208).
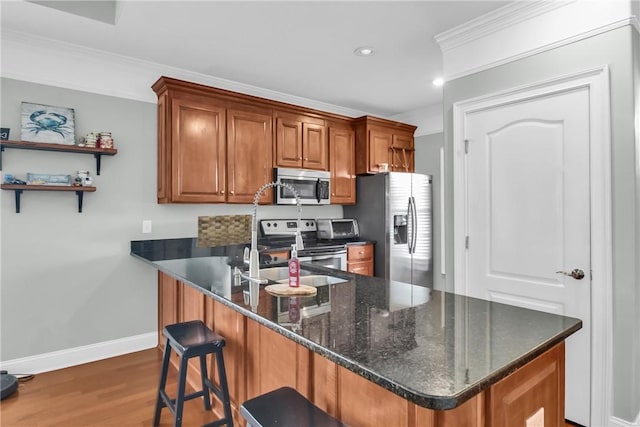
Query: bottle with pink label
point(294, 268)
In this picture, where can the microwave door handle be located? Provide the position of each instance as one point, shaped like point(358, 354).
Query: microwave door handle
point(318, 190)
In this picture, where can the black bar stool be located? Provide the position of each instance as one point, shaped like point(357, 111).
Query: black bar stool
point(285, 407)
point(193, 339)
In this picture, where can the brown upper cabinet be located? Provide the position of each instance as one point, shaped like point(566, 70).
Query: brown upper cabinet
point(249, 146)
point(218, 146)
point(342, 165)
point(210, 149)
point(301, 142)
point(380, 141)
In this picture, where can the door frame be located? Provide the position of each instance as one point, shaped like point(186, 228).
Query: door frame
point(597, 83)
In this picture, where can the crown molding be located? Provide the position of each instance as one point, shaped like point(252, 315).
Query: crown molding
point(496, 20)
point(632, 21)
point(80, 68)
point(523, 28)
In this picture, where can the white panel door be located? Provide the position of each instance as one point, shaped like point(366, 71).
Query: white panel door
point(527, 216)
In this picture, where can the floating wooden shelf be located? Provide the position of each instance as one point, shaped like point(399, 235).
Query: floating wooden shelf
point(26, 145)
point(19, 188)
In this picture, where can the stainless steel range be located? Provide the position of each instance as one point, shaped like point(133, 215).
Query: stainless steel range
point(279, 233)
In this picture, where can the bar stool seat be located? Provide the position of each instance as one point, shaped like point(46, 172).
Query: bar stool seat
point(285, 407)
point(193, 339)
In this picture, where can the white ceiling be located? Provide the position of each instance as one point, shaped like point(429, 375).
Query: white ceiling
point(301, 48)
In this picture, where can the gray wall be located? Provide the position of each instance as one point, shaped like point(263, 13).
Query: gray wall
point(614, 48)
point(67, 279)
point(427, 161)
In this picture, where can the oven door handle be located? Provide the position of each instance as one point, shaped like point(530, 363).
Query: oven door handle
point(323, 257)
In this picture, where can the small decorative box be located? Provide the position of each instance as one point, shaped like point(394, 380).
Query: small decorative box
point(47, 179)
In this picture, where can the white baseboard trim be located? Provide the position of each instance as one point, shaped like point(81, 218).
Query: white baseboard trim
point(617, 422)
point(79, 355)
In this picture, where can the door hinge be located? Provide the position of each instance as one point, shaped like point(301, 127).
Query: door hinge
point(466, 242)
point(466, 146)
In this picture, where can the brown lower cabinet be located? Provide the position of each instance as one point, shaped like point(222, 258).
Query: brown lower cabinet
point(360, 259)
point(258, 359)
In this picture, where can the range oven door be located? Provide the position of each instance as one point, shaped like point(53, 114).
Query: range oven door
point(336, 260)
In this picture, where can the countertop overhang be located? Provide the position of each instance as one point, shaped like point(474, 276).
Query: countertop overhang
point(433, 348)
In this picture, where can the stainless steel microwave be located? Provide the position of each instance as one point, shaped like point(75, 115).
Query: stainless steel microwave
point(313, 187)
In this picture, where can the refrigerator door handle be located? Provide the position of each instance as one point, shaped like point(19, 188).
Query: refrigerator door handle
point(409, 218)
point(414, 225)
point(411, 241)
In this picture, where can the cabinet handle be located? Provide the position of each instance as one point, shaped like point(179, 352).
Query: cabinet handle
point(306, 158)
point(222, 192)
point(232, 192)
point(300, 158)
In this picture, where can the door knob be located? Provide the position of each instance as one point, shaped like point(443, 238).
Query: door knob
point(576, 274)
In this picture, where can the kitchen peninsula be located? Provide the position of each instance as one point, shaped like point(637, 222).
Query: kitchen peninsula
point(370, 352)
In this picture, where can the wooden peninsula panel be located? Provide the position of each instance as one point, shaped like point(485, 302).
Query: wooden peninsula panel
point(231, 325)
point(534, 389)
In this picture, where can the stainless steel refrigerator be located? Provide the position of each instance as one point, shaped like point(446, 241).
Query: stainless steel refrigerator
point(395, 210)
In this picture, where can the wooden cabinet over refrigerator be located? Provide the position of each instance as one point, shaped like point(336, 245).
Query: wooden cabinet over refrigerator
point(381, 141)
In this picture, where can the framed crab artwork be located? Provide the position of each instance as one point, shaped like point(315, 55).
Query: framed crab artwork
point(46, 123)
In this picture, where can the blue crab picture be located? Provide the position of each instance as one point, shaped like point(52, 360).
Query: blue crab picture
point(45, 123)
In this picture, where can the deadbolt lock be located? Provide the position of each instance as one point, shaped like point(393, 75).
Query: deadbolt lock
point(576, 274)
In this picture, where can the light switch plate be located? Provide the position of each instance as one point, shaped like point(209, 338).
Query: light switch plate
point(146, 226)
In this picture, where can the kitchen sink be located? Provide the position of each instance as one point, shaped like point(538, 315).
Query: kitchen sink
point(277, 274)
point(316, 280)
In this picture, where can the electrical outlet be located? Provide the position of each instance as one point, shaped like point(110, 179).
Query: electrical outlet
point(146, 226)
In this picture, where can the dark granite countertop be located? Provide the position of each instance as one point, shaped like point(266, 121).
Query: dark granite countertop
point(433, 348)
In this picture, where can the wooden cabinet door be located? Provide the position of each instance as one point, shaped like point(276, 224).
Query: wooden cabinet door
point(288, 143)
point(249, 154)
point(379, 143)
point(364, 268)
point(197, 149)
point(314, 147)
point(360, 259)
point(342, 166)
point(401, 153)
point(164, 150)
point(279, 256)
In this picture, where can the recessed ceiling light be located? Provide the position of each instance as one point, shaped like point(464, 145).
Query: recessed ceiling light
point(438, 81)
point(364, 51)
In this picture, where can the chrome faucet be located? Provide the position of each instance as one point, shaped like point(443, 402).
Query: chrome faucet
point(254, 256)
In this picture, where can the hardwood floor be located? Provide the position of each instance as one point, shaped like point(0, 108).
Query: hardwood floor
point(120, 391)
